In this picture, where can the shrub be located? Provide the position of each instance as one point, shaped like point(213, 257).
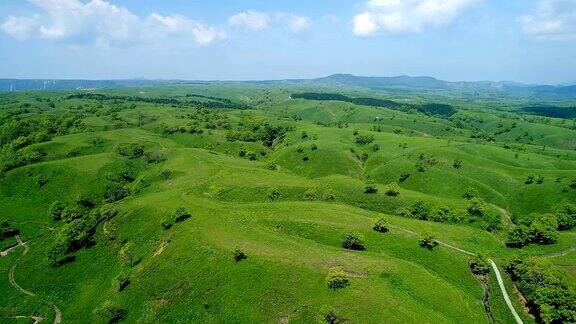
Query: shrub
point(419, 211)
point(457, 164)
point(479, 266)
point(393, 190)
point(251, 156)
point(352, 241)
point(547, 288)
point(477, 207)
point(381, 225)
point(404, 176)
point(364, 139)
point(121, 281)
point(111, 313)
point(441, 214)
point(271, 166)
point(543, 229)
point(55, 210)
point(6, 230)
point(180, 215)
point(529, 179)
point(428, 241)
point(329, 316)
point(518, 236)
point(470, 193)
point(314, 147)
point(573, 184)
point(131, 150)
point(238, 255)
point(566, 215)
point(166, 174)
point(274, 194)
point(337, 278)
point(310, 194)
point(305, 158)
point(539, 179)
point(370, 188)
point(166, 224)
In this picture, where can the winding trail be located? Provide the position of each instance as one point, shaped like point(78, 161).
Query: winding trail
point(504, 292)
point(496, 271)
point(13, 283)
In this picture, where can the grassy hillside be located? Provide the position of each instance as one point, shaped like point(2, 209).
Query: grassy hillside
point(229, 203)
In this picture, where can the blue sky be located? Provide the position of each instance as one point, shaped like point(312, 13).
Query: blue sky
point(518, 40)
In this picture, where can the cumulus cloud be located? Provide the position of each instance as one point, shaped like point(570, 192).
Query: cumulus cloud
point(294, 24)
point(406, 16)
point(19, 28)
point(100, 22)
point(553, 20)
point(250, 20)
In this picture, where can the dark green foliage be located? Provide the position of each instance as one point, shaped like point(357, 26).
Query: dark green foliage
point(392, 190)
point(457, 164)
point(431, 109)
point(470, 193)
point(274, 194)
point(238, 255)
point(479, 266)
point(111, 313)
point(530, 179)
point(180, 215)
point(427, 240)
point(352, 241)
point(566, 215)
point(55, 210)
point(545, 287)
point(115, 192)
point(540, 229)
point(552, 111)
point(130, 150)
point(381, 225)
point(519, 236)
point(573, 184)
point(370, 188)
point(404, 177)
point(337, 278)
point(476, 207)
point(364, 139)
point(442, 214)
point(121, 281)
point(6, 230)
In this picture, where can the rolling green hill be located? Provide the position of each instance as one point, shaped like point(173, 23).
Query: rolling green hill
point(242, 203)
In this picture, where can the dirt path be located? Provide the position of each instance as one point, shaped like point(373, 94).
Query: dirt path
point(496, 271)
point(13, 283)
point(504, 292)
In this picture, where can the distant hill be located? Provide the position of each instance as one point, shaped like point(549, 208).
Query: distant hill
point(408, 83)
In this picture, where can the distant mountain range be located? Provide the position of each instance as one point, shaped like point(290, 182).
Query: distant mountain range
point(397, 83)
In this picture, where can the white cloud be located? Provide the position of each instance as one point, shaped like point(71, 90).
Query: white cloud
point(100, 22)
point(553, 20)
point(406, 16)
point(294, 24)
point(250, 20)
point(18, 27)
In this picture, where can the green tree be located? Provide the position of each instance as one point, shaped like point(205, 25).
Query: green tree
point(337, 278)
point(392, 190)
point(427, 240)
point(381, 225)
point(352, 241)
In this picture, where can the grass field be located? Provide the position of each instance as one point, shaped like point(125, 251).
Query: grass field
point(282, 180)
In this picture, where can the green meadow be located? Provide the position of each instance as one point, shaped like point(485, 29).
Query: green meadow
point(229, 203)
